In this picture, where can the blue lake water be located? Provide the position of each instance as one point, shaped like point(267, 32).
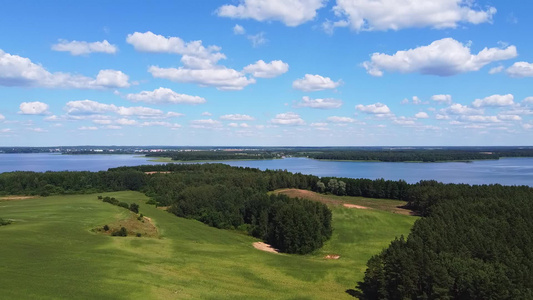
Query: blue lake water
point(506, 171)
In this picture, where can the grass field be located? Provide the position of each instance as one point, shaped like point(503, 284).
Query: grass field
point(51, 252)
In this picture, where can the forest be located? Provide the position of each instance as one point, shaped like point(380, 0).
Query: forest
point(473, 242)
point(201, 155)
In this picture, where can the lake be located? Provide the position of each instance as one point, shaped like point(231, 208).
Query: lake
point(506, 171)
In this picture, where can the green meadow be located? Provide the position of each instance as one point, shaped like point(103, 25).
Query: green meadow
point(50, 251)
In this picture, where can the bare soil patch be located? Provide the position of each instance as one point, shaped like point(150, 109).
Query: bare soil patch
point(265, 247)
point(133, 225)
point(332, 256)
point(17, 197)
point(355, 206)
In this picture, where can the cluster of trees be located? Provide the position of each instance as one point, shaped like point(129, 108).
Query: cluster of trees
point(214, 155)
point(475, 243)
point(405, 155)
point(134, 207)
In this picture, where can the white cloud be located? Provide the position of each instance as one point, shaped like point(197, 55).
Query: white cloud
point(442, 99)
point(150, 42)
point(368, 15)
point(160, 123)
point(311, 83)
point(88, 128)
point(377, 108)
point(327, 103)
point(206, 124)
point(494, 101)
point(288, 118)
point(267, 70)
point(82, 47)
point(481, 119)
point(206, 113)
point(126, 122)
point(496, 70)
point(443, 57)
point(527, 126)
point(257, 39)
point(21, 71)
point(422, 115)
point(242, 125)
point(88, 107)
point(164, 96)
point(238, 29)
point(34, 108)
point(237, 117)
point(404, 121)
point(336, 119)
point(102, 122)
point(520, 69)
point(2, 117)
point(290, 12)
point(222, 78)
point(509, 117)
point(459, 109)
point(319, 124)
point(113, 127)
point(442, 117)
point(139, 111)
point(172, 114)
point(528, 100)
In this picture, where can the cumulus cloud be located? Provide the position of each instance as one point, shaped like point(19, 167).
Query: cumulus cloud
point(257, 39)
point(288, 118)
point(34, 108)
point(494, 101)
point(206, 113)
point(377, 108)
point(422, 115)
point(327, 103)
point(21, 71)
point(160, 123)
point(443, 57)
point(2, 117)
point(88, 108)
point(369, 15)
point(242, 125)
point(126, 122)
point(496, 70)
point(481, 119)
point(238, 29)
point(154, 43)
point(319, 124)
point(459, 109)
point(164, 96)
point(520, 69)
point(206, 124)
point(311, 83)
point(88, 128)
point(404, 121)
point(262, 69)
point(336, 119)
point(289, 12)
point(82, 48)
point(222, 78)
point(442, 99)
point(528, 100)
point(509, 117)
point(237, 117)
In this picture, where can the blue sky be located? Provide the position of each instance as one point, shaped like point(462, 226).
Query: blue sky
point(266, 73)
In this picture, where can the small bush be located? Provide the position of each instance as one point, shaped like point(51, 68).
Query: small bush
point(100, 197)
point(106, 228)
point(134, 207)
point(121, 232)
point(138, 234)
point(124, 204)
point(151, 202)
point(4, 222)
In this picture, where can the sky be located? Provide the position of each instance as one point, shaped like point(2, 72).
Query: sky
point(266, 73)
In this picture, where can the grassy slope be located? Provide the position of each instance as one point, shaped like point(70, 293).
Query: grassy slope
point(49, 252)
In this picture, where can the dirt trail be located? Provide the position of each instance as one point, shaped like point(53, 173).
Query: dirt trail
point(17, 197)
point(355, 206)
point(265, 247)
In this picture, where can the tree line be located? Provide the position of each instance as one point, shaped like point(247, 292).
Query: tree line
point(214, 155)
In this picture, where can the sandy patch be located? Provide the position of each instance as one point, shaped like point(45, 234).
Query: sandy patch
point(355, 206)
point(17, 197)
point(332, 256)
point(150, 173)
point(264, 247)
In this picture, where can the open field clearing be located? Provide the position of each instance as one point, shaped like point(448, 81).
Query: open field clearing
point(51, 252)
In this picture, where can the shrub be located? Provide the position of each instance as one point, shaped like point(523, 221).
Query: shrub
point(4, 222)
point(138, 234)
point(124, 204)
point(151, 202)
point(106, 228)
point(100, 197)
point(134, 207)
point(121, 232)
